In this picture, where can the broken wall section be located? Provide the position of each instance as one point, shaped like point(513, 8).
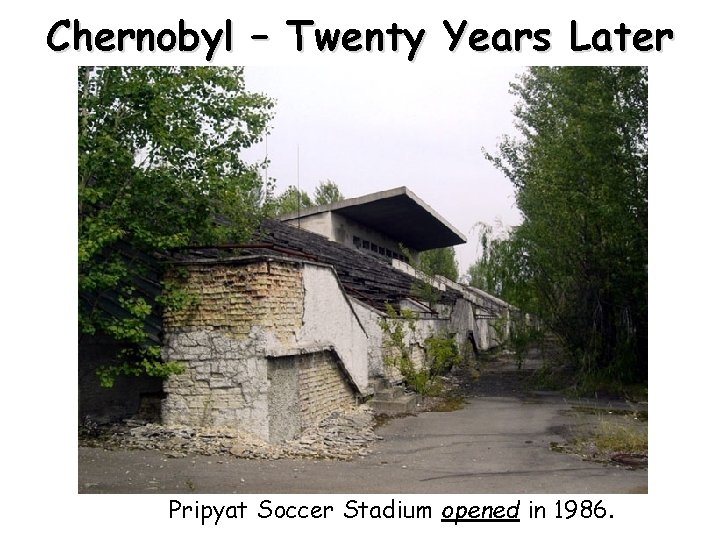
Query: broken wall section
point(304, 389)
point(269, 347)
point(221, 338)
point(329, 319)
point(233, 298)
point(466, 322)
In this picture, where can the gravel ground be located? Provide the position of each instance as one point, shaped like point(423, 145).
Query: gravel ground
point(343, 435)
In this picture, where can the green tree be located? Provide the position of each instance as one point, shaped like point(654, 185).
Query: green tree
point(579, 168)
point(501, 269)
point(158, 162)
point(327, 192)
point(440, 262)
point(287, 202)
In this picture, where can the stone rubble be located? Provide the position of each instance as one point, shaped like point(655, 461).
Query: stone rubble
point(342, 435)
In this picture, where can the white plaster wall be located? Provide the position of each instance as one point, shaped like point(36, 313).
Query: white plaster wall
point(415, 340)
point(443, 310)
point(370, 320)
point(462, 321)
point(343, 230)
point(414, 336)
point(224, 382)
point(318, 223)
point(482, 335)
point(328, 317)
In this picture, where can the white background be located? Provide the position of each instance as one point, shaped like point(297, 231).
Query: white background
point(39, 234)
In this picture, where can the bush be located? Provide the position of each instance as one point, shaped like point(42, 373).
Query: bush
point(441, 352)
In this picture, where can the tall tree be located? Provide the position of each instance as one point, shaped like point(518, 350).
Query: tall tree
point(440, 262)
point(500, 270)
point(580, 172)
point(290, 200)
point(158, 161)
point(327, 192)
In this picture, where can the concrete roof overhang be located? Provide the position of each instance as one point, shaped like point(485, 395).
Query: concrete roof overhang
point(397, 213)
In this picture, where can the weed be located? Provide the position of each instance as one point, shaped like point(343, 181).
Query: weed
point(440, 352)
point(613, 437)
point(598, 411)
point(449, 403)
point(618, 436)
point(549, 377)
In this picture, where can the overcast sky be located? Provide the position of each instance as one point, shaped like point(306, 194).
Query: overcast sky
point(372, 130)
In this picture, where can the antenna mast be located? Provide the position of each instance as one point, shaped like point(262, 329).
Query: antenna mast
point(298, 186)
point(265, 185)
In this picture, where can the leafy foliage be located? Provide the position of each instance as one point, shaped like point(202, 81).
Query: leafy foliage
point(158, 162)
point(147, 362)
point(441, 261)
point(522, 335)
point(501, 269)
point(441, 352)
point(290, 200)
point(579, 259)
point(327, 192)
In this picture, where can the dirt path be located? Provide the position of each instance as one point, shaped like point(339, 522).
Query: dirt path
point(498, 377)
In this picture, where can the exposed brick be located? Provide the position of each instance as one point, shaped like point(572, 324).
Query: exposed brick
point(234, 298)
point(322, 388)
point(222, 339)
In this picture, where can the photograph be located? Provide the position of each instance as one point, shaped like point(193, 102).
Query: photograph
point(289, 284)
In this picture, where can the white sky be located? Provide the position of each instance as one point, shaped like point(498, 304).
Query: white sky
point(372, 130)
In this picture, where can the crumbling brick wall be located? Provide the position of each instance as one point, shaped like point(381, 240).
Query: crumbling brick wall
point(221, 338)
point(304, 389)
point(323, 387)
point(232, 298)
point(240, 313)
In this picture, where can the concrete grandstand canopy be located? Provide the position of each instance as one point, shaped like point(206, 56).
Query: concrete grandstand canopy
point(397, 213)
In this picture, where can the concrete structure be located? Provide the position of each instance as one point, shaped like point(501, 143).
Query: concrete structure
point(281, 332)
point(285, 330)
point(255, 353)
point(389, 223)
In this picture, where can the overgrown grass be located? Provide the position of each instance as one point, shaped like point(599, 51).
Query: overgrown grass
point(561, 374)
point(612, 437)
point(449, 403)
point(609, 436)
point(602, 385)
